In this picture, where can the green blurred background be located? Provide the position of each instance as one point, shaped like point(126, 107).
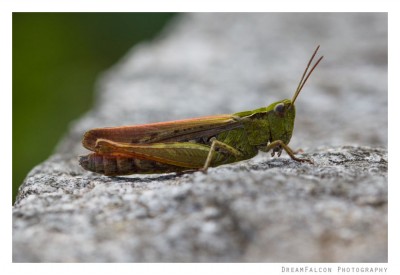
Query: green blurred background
point(56, 60)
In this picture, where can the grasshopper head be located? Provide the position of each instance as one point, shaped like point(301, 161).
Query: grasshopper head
point(281, 120)
point(283, 112)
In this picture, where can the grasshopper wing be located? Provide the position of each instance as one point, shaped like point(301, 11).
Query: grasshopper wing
point(171, 131)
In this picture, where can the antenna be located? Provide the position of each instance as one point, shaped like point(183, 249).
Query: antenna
point(305, 76)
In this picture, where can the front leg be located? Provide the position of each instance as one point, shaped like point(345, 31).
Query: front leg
point(278, 145)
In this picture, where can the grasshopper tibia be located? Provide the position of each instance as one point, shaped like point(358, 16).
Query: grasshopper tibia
point(282, 145)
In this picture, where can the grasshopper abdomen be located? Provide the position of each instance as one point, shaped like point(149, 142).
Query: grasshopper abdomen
point(114, 165)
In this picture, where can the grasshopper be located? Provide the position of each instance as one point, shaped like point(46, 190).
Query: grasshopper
point(194, 144)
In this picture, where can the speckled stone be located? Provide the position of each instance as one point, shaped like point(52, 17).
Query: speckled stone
point(260, 210)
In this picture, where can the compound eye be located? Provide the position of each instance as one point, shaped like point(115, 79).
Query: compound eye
point(279, 108)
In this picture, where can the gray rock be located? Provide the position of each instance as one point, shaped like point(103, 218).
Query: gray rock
point(261, 210)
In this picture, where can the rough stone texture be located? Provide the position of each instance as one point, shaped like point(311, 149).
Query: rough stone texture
point(261, 210)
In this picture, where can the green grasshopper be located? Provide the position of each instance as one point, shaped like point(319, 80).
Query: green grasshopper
point(194, 144)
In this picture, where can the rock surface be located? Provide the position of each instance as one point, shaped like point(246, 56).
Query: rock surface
point(261, 210)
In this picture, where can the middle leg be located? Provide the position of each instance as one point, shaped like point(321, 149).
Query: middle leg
point(221, 145)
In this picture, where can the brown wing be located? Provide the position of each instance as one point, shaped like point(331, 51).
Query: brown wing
point(171, 131)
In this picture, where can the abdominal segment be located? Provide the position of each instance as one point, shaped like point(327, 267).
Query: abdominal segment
point(116, 165)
